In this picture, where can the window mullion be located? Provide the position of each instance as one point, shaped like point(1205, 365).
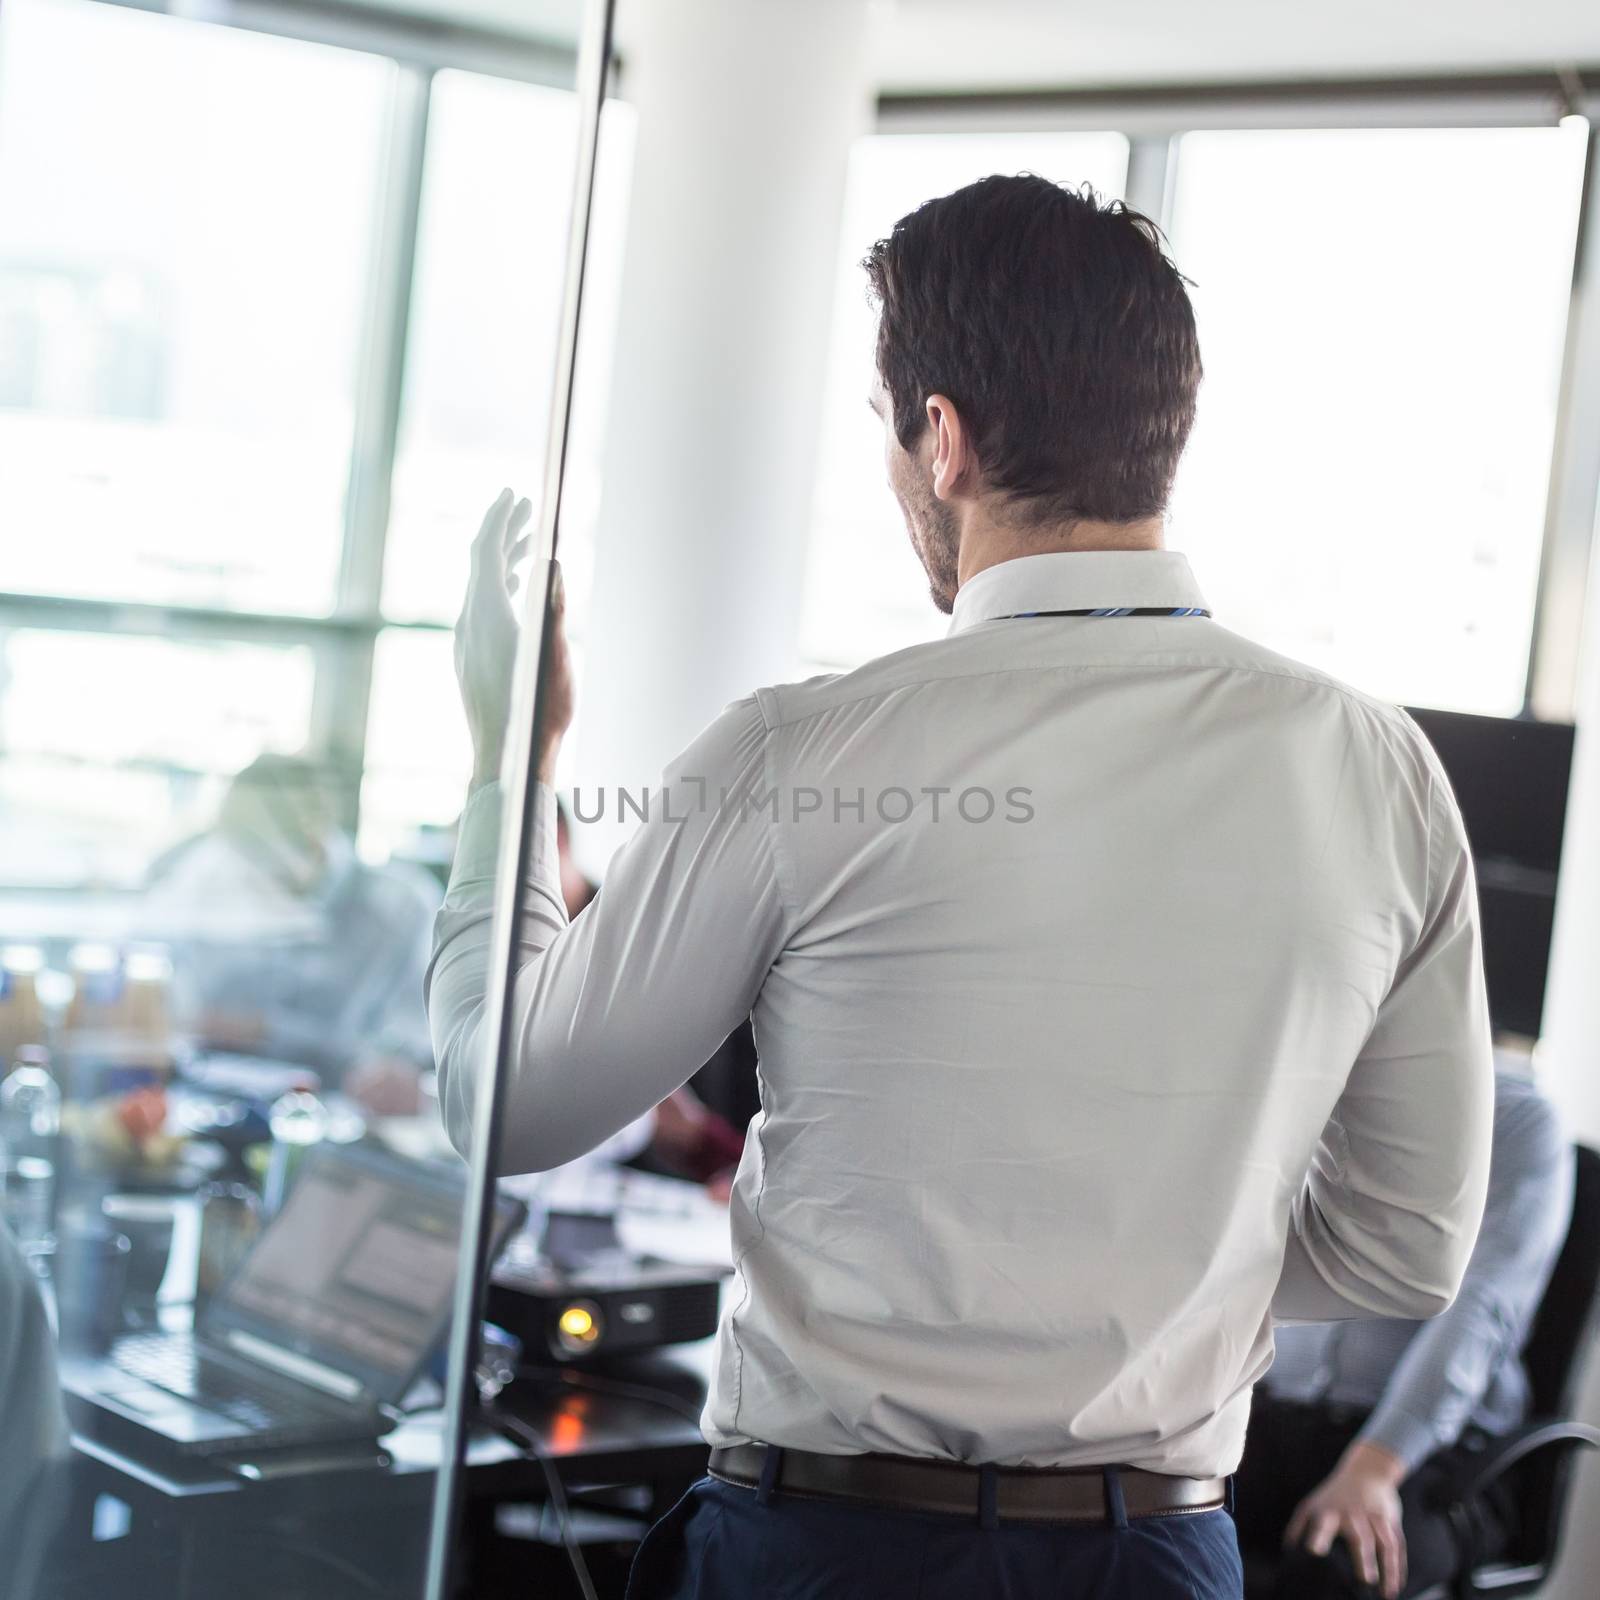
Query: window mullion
point(344, 664)
point(1146, 188)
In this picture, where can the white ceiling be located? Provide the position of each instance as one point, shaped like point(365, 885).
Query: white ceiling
point(978, 44)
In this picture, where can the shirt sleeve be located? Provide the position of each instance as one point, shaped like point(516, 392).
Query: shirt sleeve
point(1448, 1366)
point(1386, 1219)
point(613, 1011)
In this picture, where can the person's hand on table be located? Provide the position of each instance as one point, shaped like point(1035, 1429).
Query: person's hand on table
point(1359, 1502)
point(387, 1086)
point(486, 645)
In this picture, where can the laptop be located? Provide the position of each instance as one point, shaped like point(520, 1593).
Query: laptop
point(321, 1330)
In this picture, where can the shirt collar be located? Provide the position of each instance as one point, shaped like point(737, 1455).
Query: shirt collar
point(1067, 580)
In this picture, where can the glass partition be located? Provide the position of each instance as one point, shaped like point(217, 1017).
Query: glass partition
point(277, 321)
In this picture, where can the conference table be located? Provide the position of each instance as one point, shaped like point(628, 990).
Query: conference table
point(622, 1436)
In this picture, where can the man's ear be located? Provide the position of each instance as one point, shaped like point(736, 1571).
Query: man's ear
point(954, 464)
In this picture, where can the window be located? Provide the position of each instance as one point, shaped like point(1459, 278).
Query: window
point(419, 755)
point(1381, 317)
point(485, 302)
point(115, 745)
point(491, 257)
point(864, 594)
point(490, 262)
point(194, 240)
point(188, 211)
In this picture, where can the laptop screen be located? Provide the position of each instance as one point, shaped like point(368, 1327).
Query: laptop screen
point(356, 1271)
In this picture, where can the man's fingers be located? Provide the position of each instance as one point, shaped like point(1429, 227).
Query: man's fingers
point(1392, 1559)
point(1358, 1536)
point(518, 519)
point(491, 536)
point(494, 519)
point(1319, 1538)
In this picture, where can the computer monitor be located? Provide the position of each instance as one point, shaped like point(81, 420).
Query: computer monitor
point(1510, 776)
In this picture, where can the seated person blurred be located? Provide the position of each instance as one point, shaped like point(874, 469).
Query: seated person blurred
point(1356, 1423)
point(691, 1138)
point(33, 1424)
point(299, 950)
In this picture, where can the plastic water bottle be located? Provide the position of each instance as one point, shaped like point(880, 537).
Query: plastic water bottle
point(230, 1219)
point(30, 1138)
point(298, 1120)
point(30, 1107)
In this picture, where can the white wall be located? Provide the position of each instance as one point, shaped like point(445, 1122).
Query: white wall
point(746, 116)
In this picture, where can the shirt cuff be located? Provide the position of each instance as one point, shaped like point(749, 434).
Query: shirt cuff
point(478, 842)
point(544, 855)
point(1410, 1438)
point(478, 836)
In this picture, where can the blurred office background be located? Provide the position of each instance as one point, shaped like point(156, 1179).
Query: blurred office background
point(279, 295)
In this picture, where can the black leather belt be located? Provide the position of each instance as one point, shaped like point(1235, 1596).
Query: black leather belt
point(1019, 1494)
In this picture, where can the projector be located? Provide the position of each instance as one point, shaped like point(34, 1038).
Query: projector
point(575, 1294)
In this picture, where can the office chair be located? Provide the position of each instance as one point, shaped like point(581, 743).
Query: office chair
point(1537, 1457)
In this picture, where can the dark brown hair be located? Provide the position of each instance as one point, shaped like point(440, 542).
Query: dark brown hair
point(1057, 325)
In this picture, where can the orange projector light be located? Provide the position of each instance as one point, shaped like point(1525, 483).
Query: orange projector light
point(579, 1325)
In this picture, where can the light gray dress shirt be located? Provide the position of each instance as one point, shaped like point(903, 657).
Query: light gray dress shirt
point(1117, 990)
point(1423, 1382)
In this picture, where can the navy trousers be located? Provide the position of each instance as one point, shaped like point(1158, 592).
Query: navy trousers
point(721, 1542)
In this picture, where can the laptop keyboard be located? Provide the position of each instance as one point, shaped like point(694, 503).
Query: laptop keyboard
point(173, 1362)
